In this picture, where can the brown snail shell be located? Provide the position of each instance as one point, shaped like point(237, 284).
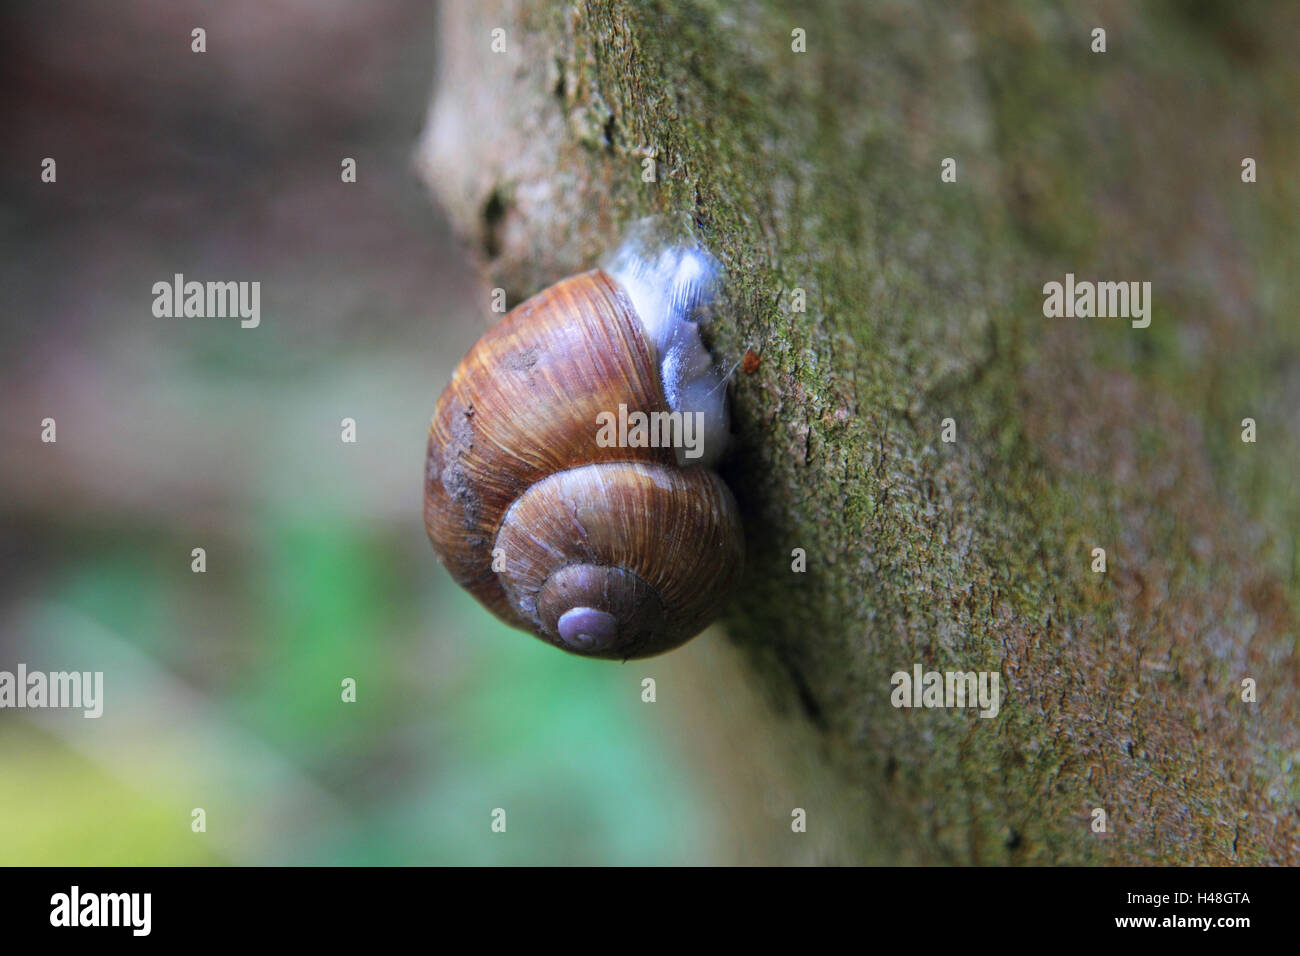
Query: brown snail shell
point(614, 552)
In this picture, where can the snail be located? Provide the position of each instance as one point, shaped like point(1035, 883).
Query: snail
point(569, 484)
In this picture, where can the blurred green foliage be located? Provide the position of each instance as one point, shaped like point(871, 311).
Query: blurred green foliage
point(436, 740)
point(223, 689)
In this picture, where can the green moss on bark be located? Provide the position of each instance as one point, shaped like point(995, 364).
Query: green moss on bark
point(821, 171)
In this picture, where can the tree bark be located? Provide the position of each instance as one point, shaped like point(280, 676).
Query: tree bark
point(820, 171)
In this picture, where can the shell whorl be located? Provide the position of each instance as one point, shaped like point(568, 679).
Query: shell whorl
point(522, 406)
point(654, 548)
point(605, 551)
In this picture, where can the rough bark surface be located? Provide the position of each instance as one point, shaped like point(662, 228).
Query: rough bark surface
point(821, 171)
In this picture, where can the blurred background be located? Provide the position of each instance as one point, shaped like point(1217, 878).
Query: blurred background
point(223, 688)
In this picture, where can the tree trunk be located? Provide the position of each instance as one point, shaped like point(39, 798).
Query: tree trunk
point(817, 176)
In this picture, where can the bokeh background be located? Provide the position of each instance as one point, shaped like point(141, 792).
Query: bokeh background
point(223, 688)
